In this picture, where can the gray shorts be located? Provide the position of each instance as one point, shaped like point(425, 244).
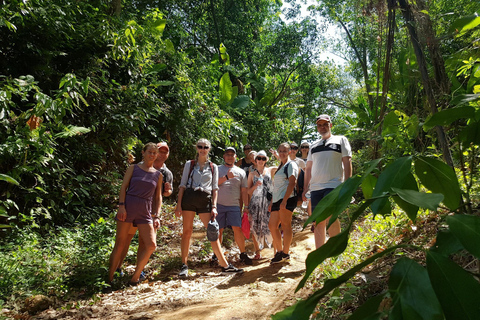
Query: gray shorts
point(229, 216)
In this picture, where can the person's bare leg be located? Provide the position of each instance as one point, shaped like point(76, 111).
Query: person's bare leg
point(320, 234)
point(273, 224)
point(205, 217)
point(188, 217)
point(239, 238)
point(220, 236)
point(131, 234)
point(334, 228)
point(148, 236)
point(286, 221)
point(256, 246)
point(121, 242)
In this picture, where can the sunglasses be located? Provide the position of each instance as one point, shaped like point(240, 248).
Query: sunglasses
point(203, 147)
point(247, 149)
point(261, 158)
point(304, 147)
point(294, 148)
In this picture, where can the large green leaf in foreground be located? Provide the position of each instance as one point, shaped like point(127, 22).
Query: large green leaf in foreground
point(466, 229)
point(438, 177)
point(412, 293)
point(457, 290)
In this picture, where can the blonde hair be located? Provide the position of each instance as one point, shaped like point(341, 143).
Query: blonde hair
point(203, 140)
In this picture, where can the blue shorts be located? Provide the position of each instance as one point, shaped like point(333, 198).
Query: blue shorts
point(318, 195)
point(229, 216)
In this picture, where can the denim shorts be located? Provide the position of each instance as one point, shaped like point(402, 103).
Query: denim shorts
point(229, 216)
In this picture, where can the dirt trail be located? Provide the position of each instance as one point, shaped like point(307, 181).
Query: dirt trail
point(259, 292)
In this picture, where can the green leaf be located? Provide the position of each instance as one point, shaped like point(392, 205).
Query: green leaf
point(464, 24)
point(8, 179)
point(412, 292)
point(370, 309)
point(241, 102)
point(448, 116)
point(446, 243)
point(393, 176)
point(5, 226)
point(160, 24)
point(438, 177)
point(467, 229)
point(410, 209)
point(165, 83)
point(390, 123)
point(304, 308)
point(457, 290)
point(423, 200)
point(368, 184)
point(71, 131)
point(470, 134)
point(464, 98)
point(225, 88)
point(169, 47)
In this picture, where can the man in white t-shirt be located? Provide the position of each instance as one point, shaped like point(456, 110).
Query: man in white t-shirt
point(329, 163)
point(232, 195)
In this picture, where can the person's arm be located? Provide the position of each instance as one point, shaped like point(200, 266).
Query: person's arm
point(157, 203)
point(347, 167)
point(214, 203)
point(181, 189)
point(168, 185)
point(306, 180)
point(238, 163)
point(178, 208)
point(122, 212)
point(226, 177)
point(245, 199)
point(251, 187)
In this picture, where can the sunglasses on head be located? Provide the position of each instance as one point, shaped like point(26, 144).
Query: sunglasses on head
point(262, 158)
point(304, 147)
point(203, 147)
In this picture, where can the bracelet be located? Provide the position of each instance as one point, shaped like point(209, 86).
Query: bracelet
point(121, 203)
point(226, 176)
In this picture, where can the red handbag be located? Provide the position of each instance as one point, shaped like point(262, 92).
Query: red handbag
point(246, 226)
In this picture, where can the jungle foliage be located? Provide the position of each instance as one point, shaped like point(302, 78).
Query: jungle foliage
point(83, 84)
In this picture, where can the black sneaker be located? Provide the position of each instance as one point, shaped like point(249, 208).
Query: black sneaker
point(278, 257)
point(183, 271)
point(231, 269)
point(214, 261)
point(285, 256)
point(245, 259)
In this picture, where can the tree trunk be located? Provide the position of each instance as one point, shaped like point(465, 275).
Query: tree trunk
point(116, 7)
point(422, 66)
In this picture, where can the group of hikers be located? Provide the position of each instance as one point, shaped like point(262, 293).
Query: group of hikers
point(220, 194)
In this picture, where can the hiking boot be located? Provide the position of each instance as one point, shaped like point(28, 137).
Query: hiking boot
point(214, 261)
point(231, 269)
point(285, 256)
point(245, 259)
point(278, 257)
point(183, 271)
